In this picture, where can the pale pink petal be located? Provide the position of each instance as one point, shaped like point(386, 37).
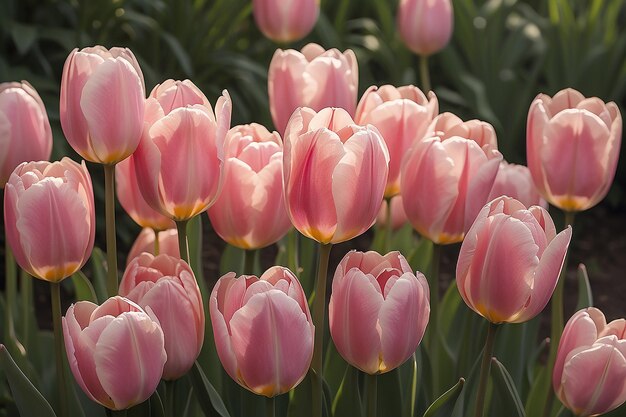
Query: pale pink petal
point(285, 85)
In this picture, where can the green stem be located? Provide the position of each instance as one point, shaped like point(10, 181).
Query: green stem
point(183, 246)
point(157, 244)
point(484, 369)
point(371, 393)
point(432, 341)
point(270, 406)
point(169, 401)
point(388, 226)
point(424, 74)
point(59, 346)
point(115, 413)
point(292, 252)
point(248, 261)
point(319, 308)
point(109, 199)
point(26, 286)
point(10, 291)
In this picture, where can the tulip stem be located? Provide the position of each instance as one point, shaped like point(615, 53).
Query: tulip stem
point(248, 261)
point(183, 247)
point(170, 398)
point(432, 336)
point(484, 369)
point(109, 198)
point(270, 406)
point(371, 393)
point(424, 74)
point(292, 252)
point(319, 308)
point(26, 287)
point(59, 346)
point(157, 245)
point(388, 226)
point(10, 290)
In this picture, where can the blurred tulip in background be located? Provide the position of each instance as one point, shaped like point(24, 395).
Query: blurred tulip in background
point(285, 20)
point(425, 26)
point(145, 242)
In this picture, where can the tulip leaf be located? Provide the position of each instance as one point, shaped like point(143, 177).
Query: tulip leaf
point(389, 394)
point(506, 391)
point(29, 401)
point(348, 399)
point(564, 412)
point(444, 405)
point(538, 393)
point(210, 401)
point(84, 289)
point(585, 297)
point(98, 268)
point(421, 256)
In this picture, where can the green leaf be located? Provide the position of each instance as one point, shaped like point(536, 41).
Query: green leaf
point(506, 391)
point(585, 297)
point(99, 272)
point(29, 401)
point(421, 256)
point(24, 36)
point(348, 399)
point(84, 289)
point(444, 405)
point(389, 394)
point(538, 393)
point(212, 404)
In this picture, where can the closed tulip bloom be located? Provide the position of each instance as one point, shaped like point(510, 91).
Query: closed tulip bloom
point(168, 287)
point(572, 146)
point(132, 201)
point(168, 244)
point(447, 125)
point(444, 185)
point(515, 181)
point(179, 160)
point(285, 20)
point(425, 26)
point(49, 217)
point(334, 174)
point(314, 78)
point(102, 103)
point(590, 369)
point(398, 216)
point(378, 310)
point(402, 116)
point(263, 330)
point(510, 261)
point(25, 133)
point(115, 351)
point(250, 211)
point(172, 94)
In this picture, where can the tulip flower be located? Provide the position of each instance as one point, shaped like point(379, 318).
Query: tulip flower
point(398, 216)
point(250, 211)
point(590, 370)
point(263, 330)
point(447, 125)
point(313, 78)
point(425, 26)
point(102, 103)
point(179, 160)
point(572, 147)
point(402, 116)
point(334, 174)
point(145, 242)
point(132, 201)
point(115, 351)
point(515, 181)
point(285, 20)
point(510, 261)
point(49, 217)
point(25, 133)
point(378, 310)
point(172, 94)
point(167, 286)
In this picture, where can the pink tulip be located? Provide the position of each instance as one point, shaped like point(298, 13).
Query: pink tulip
point(425, 26)
point(49, 217)
point(102, 103)
point(179, 160)
point(132, 201)
point(590, 370)
point(168, 244)
point(398, 216)
point(115, 351)
point(172, 94)
point(378, 310)
point(250, 211)
point(447, 125)
point(515, 181)
point(334, 174)
point(401, 115)
point(444, 185)
point(25, 133)
point(263, 330)
point(285, 20)
point(168, 287)
point(510, 261)
point(572, 147)
point(313, 78)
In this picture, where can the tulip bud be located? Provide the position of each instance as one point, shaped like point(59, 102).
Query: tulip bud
point(510, 261)
point(378, 310)
point(590, 369)
point(515, 181)
point(398, 216)
point(334, 174)
point(25, 133)
point(263, 330)
point(250, 211)
point(168, 287)
point(102, 103)
point(313, 78)
point(425, 26)
point(49, 217)
point(572, 147)
point(285, 20)
point(145, 242)
point(172, 94)
point(115, 351)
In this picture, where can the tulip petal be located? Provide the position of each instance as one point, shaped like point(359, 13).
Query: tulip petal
point(284, 81)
